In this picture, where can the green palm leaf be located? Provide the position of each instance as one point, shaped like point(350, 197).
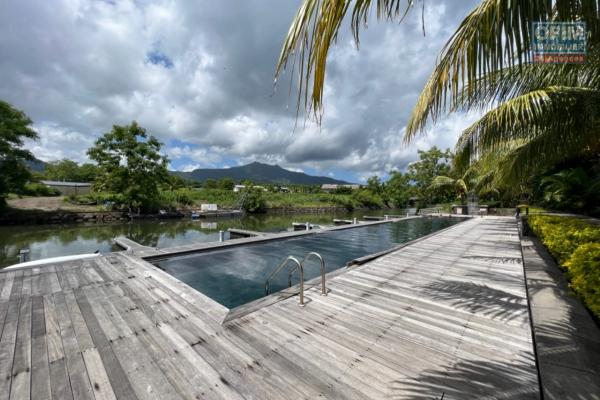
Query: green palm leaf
point(496, 34)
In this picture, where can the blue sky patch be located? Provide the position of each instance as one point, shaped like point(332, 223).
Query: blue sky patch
point(158, 58)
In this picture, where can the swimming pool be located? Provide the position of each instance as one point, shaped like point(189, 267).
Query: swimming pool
point(237, 275)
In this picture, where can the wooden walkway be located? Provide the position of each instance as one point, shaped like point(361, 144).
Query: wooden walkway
point(444, 317)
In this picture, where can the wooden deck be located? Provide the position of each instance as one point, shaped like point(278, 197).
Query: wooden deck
point(444, 317)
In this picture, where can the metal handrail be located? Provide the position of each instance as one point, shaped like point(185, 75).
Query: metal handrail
point(306, 257)
point(280, 267)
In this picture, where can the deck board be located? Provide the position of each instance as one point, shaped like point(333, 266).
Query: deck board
point(446, 316)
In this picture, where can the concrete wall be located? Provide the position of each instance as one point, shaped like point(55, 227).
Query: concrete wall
point(71, 190)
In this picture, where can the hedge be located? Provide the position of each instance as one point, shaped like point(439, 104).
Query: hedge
point(575, 244)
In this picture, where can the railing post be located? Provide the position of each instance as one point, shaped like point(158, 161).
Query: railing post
point(301, 285)
point(23, 255)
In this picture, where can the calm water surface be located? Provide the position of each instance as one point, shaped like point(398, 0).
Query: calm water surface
point(60, 240)
point(236, 276)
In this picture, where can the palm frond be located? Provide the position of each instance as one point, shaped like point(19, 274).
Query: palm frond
point(566, 116)
point(442, 182)
point(495, 35)
point(517, 80)
point(315, 28)
point(461, 186)
point(541, 153)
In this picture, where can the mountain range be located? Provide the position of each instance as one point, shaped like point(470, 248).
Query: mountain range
point(258, 173)
point(255, 172)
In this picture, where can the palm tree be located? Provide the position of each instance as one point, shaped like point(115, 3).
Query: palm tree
point(458, 185)
point(539, 114)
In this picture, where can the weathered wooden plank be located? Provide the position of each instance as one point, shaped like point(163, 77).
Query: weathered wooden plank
point(16, 290)
point(80, 382)
point(37, 283)
point(59, 380)
point(21, 367)
point(6, 287)
point(134, 358)
point(53, 337)
point(408, 324)
point(82, 330)
point(40, 370)
point(53, 282)
point(26, 288)
point(7, 347)
point(119, 383)
point(98, 376)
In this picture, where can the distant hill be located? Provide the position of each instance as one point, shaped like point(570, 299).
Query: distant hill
point(258, 173)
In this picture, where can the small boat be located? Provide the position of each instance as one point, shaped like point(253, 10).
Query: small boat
point(53, 260)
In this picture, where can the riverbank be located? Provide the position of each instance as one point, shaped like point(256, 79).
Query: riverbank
point(53, 240)
point(54, 210)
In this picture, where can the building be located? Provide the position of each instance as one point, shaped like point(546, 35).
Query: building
point(327, 187)
point(69, 188)
point(239, 188)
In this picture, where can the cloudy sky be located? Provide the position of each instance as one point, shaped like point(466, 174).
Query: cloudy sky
point(198, 75)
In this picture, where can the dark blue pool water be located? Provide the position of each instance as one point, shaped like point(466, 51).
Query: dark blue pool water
point(237, 275)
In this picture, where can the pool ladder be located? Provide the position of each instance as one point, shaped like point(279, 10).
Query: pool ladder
point(299, 266)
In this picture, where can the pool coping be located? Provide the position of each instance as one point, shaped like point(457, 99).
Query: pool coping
point(226, 314)
point(255, 305)
point(177, 251)
point(183, 250)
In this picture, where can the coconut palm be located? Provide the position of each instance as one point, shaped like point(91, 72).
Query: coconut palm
point(536, 115)
point(458, 186)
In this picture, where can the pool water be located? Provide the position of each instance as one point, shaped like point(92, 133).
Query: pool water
point(237, 275)
point(61, 240)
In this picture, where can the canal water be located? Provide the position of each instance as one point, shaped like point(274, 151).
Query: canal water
point(237, 275)
point(45, 241)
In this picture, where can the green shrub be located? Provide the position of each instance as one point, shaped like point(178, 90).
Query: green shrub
point(39, 189)
point(562, 235)
point(584, 270)
point(172, 198)
point(575, 244)
point(253, 201)
point(364, 198)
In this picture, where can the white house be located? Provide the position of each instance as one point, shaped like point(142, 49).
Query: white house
point(239, 188)
point(327, 187)
point(69, 188)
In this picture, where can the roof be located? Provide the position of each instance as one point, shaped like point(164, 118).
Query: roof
point(64, 183)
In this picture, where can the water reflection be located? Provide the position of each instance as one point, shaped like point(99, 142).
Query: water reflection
point(53, 240)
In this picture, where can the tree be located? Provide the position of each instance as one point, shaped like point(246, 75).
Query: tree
point(432, 163)
point(68, 170)
point(175, 182)
point(130, 165)
point(87, 172)
point(374, 185)
point(209, 184)
point(226, 184)
point(399, 189)
point(538, 115)
point(252, 200)
point(569, 189)
point(15, 126)
point(443, 183)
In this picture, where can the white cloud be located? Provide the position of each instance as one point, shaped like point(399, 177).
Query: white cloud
point(190, 167)
point(79, 66)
